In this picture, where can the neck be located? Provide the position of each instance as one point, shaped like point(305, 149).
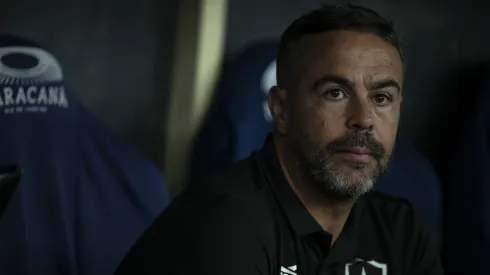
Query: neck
point(330, 212)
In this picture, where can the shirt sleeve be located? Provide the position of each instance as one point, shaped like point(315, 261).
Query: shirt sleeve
point(218, 236)
point(423, 250)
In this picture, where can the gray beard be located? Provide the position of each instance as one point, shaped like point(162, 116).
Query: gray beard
point(341, 184)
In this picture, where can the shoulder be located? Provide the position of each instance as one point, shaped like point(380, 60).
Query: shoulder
point(232, 197)
point(226, 213)
point(242, 181)
point(389, 206)
point(397, 216)
point(396, 221)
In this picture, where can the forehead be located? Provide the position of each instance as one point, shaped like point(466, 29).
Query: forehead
point(349, 54)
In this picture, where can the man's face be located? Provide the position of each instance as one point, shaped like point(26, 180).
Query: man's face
point(342, 118)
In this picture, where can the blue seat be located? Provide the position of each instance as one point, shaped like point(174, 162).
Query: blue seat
point(85, 195)
point(411, 176)
point(240, 121)
point(467, 190)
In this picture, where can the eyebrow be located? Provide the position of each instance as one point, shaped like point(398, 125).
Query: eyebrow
point(386, 83)
point(381, 84)
point(332, 79)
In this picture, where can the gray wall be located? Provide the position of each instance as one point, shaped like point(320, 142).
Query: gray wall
point(116, 56)
point(443, 44)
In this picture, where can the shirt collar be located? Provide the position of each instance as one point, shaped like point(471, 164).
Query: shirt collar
point(301, 221)
point(347, 246)
point(298, 216)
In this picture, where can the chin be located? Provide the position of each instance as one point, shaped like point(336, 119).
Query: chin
point(351, 188)
point(347, 182)
point(356, 171)
point(345, 179)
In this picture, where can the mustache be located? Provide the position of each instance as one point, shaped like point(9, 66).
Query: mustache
point(357, 139)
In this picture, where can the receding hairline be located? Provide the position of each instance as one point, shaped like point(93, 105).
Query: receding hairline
point(330, 18)
point(289, 52)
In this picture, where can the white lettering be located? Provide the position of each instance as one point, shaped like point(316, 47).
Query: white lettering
point(7, 96)
point(34, 97)
point(42, 98)
point(21, 97)
point(62, 100)
point(31, 95)
point(53, 95)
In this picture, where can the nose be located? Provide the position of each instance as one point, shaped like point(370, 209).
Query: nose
point(360, 116)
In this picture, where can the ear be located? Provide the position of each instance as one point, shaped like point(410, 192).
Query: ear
point(277, 106)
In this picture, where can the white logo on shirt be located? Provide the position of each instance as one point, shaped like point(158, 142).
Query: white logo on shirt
point(380, 268)
point(289, 270)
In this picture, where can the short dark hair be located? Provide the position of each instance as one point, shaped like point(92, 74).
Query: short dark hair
point(333, 18)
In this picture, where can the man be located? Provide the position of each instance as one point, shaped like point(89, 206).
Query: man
point(302, 205)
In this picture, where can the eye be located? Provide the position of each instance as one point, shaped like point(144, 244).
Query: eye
point(382, 99)
point(335, 94)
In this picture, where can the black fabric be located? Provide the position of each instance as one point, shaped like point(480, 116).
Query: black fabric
point(8, 184)
point(249, 221)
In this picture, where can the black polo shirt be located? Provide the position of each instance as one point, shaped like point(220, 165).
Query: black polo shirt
point(249, 221)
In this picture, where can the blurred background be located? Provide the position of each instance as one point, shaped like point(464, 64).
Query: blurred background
point(161, 73)
point(130, 62)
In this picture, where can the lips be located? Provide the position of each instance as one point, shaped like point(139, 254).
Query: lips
point(358, 151)
point(358, 155)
